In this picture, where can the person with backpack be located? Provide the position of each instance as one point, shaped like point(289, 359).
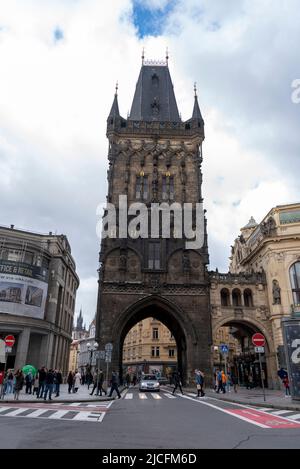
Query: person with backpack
point(199, 378)
point(28, 381)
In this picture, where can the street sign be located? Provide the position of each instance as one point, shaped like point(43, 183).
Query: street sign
point(108, 347)
point(9, 340)
point(96, 355)
point(259, 349)
point(224, 348)
point(102, 354)
point(8, 349)
point(108, 357)
point(258, 340)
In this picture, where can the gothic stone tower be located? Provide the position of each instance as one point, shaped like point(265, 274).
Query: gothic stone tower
point(155, 157)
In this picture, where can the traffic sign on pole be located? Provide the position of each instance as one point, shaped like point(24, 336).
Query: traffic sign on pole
point(9, 340)
point(108, 347)
point(258, 340)
point(224, 348)
point(259, 349)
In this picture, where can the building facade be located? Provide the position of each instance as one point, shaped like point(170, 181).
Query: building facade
point(38, 284)
point(262, 287)
point(150, 347)
point(155, 157)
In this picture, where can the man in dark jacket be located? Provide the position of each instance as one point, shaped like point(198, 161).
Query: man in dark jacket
point(42, 381)
point(49, 384)
point(100, 383)
point(177, 382)
point(57, 381)
point(114, 384)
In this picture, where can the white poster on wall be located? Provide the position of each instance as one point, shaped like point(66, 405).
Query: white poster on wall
point(23, 289)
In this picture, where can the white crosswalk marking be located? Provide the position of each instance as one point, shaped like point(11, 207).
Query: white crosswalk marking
point(129, 396)
point(37, 413)
point(90, 416)
point(142, 395)
point(17, 411)
point(155, 396)
point(293, 417)
point(2, 409)
point(58, 414)
point(280, 412)
point(170, 396)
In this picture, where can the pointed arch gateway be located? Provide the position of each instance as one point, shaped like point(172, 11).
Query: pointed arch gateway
point(167, 313)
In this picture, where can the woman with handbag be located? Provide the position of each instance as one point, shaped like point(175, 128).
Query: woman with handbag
point(199, 378)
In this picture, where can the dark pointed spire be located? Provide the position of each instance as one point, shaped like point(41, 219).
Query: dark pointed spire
point(114, 112)
point(196, 110)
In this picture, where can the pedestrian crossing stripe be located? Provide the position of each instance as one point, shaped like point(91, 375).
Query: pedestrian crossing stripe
point(129, 396)
point(53, 414)
point(170, 396)
point(287, 414)
point(155, 396)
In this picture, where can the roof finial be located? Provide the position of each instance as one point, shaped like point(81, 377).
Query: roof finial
point(117, 87)
point(143, 55)
point(195, 89)
point(167, 55)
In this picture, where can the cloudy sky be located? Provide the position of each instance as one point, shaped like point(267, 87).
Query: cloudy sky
point(60, 60)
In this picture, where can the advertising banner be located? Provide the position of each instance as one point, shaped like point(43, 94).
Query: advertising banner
point(23, 289)
point(291, 337)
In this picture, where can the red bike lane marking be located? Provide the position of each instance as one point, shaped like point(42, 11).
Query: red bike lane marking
point(268, 420)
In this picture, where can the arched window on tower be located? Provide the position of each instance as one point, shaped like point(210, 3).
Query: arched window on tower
point(295, 282)
point(225, 297)
point(248, 298)
point(236, 297)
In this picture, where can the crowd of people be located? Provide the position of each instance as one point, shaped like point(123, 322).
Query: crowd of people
point(42, 384)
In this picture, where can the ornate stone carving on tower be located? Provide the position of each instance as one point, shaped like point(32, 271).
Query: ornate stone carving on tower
point(155, 157)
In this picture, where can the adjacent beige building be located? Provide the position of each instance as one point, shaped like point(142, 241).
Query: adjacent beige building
point(149, 347)
point(262, 286)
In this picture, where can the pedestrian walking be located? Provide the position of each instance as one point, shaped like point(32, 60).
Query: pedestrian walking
point(127, 380)
point(114, 384)
point(100, 383)
point(177, 382)
point(35, 384)
point(77, 379)
point(49, 383)
point(219, 381)
point(134, 380)
point(9, 383)
point(19, 377)
point(224, 381)
point(95, 381)
point(199, 378)
point(70, 381)
point(28, 382)
point(57, 381)
point(286, 384)
point(234, 381)
point(42, 382)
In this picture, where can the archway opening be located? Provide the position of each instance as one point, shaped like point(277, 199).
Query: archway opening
point(241, 361)
point(153, 316)
point(149, 348)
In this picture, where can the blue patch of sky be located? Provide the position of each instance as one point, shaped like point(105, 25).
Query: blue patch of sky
point(58, 34)
point(150, 21)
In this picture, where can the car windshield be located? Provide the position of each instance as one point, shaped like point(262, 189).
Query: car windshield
point(149, 378)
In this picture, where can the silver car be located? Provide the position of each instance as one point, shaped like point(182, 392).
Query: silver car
point(149, 383)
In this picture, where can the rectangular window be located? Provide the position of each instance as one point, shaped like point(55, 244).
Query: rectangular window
point(141, 188)
point(14, 256)
point(164, 188)
point(171, 353)
point(152, 352)
point(157, 352)
point(155, 333)
point(154, 255)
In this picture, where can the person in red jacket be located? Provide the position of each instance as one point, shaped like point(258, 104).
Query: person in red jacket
point(286, 384)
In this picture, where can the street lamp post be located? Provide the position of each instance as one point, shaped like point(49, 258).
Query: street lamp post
point(92, 348)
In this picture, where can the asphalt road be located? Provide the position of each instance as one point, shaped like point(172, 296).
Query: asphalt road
point(145, 421)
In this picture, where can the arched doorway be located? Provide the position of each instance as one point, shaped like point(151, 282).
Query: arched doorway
point(149, 348)
point(161, 313)
point(242, 360)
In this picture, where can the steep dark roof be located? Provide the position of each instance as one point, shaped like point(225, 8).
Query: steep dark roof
point(154, 98)
point(114, 112)
point(196, 110)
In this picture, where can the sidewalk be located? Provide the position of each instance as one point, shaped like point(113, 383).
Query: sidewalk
point(82, 395)
point(274, 398)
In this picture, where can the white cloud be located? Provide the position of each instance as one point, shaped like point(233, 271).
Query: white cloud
point(55, 97)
